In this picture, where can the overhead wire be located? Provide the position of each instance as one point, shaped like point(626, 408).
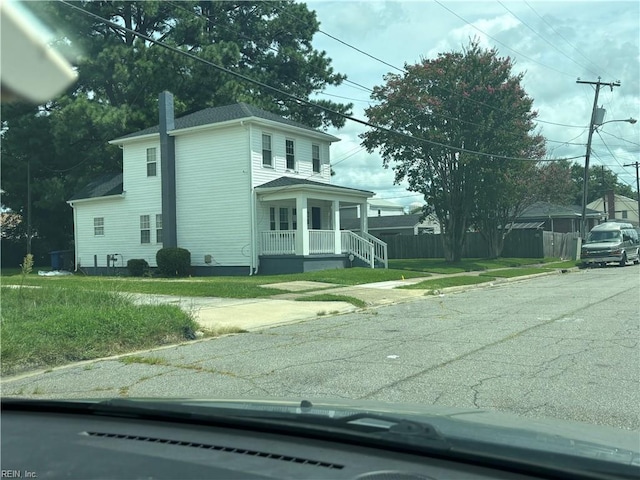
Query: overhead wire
point(296, 98)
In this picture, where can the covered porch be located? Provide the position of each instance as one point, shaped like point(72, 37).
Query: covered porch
point(299, 227)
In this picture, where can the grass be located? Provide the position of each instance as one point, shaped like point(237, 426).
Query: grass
point(440, 283)
point(328, 297)
point(439, 265)
point(515, 272)
point(564, 264)
point(225, 287)
point(51, 326)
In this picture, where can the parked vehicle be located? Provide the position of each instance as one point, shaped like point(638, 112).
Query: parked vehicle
point(611, 242)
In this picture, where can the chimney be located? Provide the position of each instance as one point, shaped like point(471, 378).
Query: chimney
point(611, 205)
point(168, 170)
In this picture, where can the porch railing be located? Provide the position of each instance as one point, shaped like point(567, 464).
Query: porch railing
point(321, 241)
point(280, 242)
point(380, 248)
point(358, 246)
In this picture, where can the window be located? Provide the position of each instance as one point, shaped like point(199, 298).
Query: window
point(294, 219)
point(284, 218)
point(272, 218)
point(158, 228)
point(98, 226)
point(145, 229)
point(151, 162)
point(315, 158)
point(291, 159)
point(624, 214)
point(266, 150)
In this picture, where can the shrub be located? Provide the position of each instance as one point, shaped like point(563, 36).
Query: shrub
point(174, 261)
point(137, 267)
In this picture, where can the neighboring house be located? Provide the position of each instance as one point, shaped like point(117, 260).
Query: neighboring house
point(557, 218)
point(244, 190)
point(376, 207)
point(387, 226)
point(617, 207)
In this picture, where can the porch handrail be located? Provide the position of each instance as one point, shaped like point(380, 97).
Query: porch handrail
point(321, 241)
point(358, 246)
point(380, 250)
point(278, 242)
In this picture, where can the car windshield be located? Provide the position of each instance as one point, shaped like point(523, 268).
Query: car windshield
point(377, 201)
point(607, 237)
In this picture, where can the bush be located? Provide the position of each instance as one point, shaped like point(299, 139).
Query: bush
point(137, 267)
point(174, 261)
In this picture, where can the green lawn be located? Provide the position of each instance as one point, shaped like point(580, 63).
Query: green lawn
point(515, 272)
point(45, 327)
point(226, 287)
point(440, 283)
point(439, 265)
point(328, 297)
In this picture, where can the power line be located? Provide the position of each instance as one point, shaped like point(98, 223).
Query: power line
point(504, 44)
point(623, 139)
point(543, 38)
point(297, 99)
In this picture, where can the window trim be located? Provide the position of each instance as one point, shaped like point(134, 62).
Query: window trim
point(270, 150)
point(145, 228)
point(315, 160)
point(291, 141)
point(98, 225)
point(153, 163)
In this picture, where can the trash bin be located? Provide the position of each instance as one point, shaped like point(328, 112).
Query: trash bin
point(57, 259)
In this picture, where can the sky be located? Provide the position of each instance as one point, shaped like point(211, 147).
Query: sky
point(553, 42)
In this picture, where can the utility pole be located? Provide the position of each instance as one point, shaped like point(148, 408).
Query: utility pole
point(592, 127)
point(636, 164)
point(28, 207)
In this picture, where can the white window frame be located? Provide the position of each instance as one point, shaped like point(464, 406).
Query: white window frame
point(145, 229)
point(159, 232)
point(292, 154)
point(152, 161)
point(268, 164)
point(315, 160)
point(98, 226)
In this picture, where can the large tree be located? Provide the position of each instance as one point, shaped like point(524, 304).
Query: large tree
point(120, 76)
point(448, 124)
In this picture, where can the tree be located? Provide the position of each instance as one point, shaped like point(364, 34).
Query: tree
point(435, 116)
point(120, 76)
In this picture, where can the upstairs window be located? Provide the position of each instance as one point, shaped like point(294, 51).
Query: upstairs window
point(152, 164)
point(267, 160)
point(158, 228)
point(625, 214)
point(315, 158)
point(290, 151)
point(145, 229)
point(98, 226)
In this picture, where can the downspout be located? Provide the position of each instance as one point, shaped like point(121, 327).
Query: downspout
point(253, 268)
point(75, 237)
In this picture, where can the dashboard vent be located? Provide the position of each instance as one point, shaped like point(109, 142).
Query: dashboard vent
point(218, 448)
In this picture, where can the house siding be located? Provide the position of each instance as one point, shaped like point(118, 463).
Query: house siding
point(213, 196)
point(304, 163)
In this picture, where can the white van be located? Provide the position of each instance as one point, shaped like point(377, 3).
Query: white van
point(611, 242)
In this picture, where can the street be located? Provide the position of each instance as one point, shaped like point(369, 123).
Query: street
point(563, 346)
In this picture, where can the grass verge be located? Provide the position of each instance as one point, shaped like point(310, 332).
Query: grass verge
point(46, 327)
point(328, 297)
point(515, 272)
point(439, 265)
point(440, 283)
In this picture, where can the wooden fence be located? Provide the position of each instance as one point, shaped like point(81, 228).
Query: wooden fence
point(519, 243)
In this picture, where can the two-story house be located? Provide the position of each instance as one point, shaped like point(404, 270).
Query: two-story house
point(244, 190)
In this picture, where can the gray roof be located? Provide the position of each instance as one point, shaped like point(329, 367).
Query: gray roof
point(546, 210)
point(387, 221)
point(290, 181)
point(213, 115)
point(104, 186)
point(526, 226)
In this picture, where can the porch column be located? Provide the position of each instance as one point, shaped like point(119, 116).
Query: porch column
point(337, 236)
point(302, 232)
point(364, 218)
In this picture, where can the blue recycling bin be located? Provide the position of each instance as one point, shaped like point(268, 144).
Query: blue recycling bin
point(57, 259)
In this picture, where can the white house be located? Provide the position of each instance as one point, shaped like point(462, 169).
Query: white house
point(244, 190)
point(617, 207)
point(376, 207)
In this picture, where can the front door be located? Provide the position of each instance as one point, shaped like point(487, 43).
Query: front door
point(316, 223)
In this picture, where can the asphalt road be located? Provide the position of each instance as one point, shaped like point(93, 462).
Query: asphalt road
point(563, 346)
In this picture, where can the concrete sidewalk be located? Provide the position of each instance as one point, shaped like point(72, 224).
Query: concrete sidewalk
point(258, 313)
